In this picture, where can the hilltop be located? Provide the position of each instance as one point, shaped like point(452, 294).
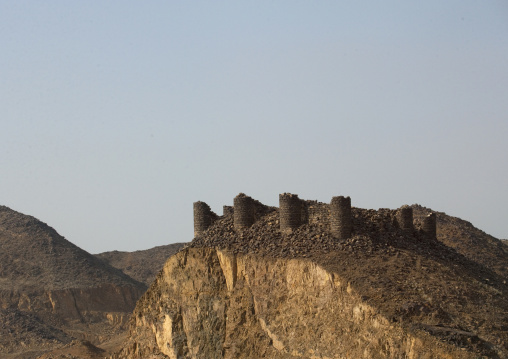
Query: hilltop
point(247, 288)
point(35, 256)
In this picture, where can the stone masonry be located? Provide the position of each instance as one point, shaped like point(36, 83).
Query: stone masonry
point(429, 225)
point(227, 210)
point(405, 218)
point(336, 217)
point(203, 217)
point(243, 212)
point(290, 211)
point(341, 223)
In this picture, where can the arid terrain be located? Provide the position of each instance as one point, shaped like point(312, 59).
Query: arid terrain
point(56, 296)
point(383, 293)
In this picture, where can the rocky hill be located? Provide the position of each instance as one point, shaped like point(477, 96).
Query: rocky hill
point(142, 265)
point(52, 292)
point(383, 292)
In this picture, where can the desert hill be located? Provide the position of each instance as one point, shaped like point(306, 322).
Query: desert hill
point(469, 241)
point(383, 292)
point(52, 292)
point(23, 332)
point(141, 265)
point(35, 256)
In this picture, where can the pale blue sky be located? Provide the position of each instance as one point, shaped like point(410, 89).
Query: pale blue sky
point(117, 115)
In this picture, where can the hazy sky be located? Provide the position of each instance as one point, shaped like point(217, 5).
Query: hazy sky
point(117, 115)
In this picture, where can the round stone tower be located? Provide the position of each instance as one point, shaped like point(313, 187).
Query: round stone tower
point(243, 211)
point(341, 222)
point(203, 217)
point(429, 226)
point(405, 218)
point(290, 211)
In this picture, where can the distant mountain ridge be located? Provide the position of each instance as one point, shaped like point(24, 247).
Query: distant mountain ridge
point(141, 265)
point(34, 255)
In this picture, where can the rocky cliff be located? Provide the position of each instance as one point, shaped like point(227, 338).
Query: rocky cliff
point(383, 293)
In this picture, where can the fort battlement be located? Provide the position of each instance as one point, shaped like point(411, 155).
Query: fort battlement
point(336, 218)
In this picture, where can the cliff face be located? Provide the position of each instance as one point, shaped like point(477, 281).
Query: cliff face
point(208, 303)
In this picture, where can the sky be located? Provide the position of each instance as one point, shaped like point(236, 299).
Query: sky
point(117, 115)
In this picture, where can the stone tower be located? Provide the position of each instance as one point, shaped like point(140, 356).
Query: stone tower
point(341, 222)
point(243, 212)
point(429, 226)
point(203, 217)
point(290, 211)
point(405, 218)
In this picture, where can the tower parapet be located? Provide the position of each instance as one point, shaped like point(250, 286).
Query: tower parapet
point(429, 226)
point(341, 223)
point(405, 218)
point(290, 211)
point(203, 217)
point(243, 212)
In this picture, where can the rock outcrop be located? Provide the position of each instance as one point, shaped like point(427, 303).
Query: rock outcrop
point(212, 304)
point(385, 292)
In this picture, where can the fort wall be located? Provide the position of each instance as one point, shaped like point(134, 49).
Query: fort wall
point(227, 210)
point(336, 217)
point(317, 213)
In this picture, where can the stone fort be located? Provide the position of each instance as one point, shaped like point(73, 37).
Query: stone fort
point(294, 212)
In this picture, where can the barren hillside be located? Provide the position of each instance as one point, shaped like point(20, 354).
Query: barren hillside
point(52, 292)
